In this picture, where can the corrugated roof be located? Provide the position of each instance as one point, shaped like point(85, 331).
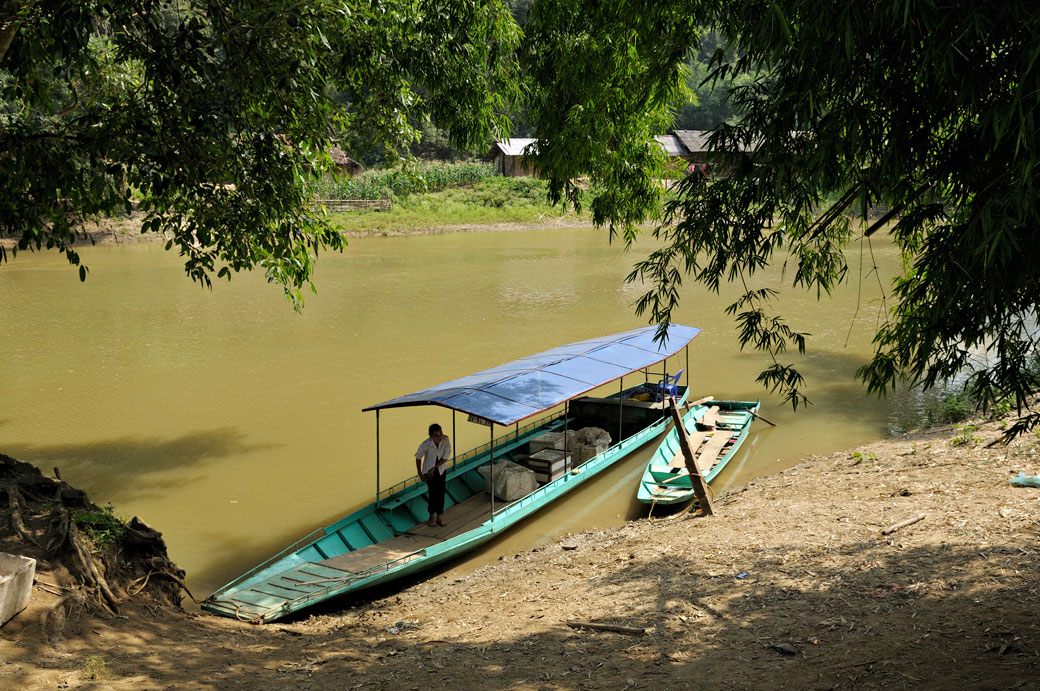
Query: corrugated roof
point(513, 147)
point(671, 144)
point(517, 390)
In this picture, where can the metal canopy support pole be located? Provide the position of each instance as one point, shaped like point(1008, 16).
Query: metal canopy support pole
point(665, 380)
point(377, 457)
point(686, 350)
point(620, 408)
point(492, 448)
point(454, 442)
point(566, 439)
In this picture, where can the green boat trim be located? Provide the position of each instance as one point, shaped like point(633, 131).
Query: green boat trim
point(666, 479)
point(388, 538)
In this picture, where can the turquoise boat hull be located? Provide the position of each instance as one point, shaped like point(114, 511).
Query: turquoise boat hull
point(387, 539)
point(666, 480)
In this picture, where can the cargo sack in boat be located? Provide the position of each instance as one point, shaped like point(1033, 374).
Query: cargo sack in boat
point(589, 451)
point(512, 481)
point(592, 436)
point(553, 440)
point(589, 442)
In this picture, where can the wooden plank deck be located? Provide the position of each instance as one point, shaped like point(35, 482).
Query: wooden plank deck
point(710, 418)
point(696, 439)
point(375, 555)
point(460, 518)
point(710, 452)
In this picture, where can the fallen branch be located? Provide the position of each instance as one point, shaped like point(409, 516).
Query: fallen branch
point(616, 628)
point(47, 587)
point(902, 524)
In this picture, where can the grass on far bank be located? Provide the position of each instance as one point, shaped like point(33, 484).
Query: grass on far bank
point(489, 202)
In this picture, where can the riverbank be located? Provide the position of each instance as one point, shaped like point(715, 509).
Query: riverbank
point(128, 230)
point(790, 585)
point(501, 204)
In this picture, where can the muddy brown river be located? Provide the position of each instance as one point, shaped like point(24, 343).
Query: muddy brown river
point(234, 425)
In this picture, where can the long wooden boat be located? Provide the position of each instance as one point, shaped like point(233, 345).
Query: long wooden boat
point(389, 538)
point(716, 430)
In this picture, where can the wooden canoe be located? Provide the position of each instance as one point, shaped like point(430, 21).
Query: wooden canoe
point(716, 430)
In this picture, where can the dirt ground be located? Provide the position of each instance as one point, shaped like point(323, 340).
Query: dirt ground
point(791, 585)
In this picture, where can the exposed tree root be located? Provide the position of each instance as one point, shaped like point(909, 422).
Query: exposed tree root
point(42, 514)
point(88, 568)
point(14, 507)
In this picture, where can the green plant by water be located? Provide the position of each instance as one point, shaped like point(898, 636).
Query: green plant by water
point(397, 183)
point(858, 457)
point(101, 525)
point(965, 436)
point(495, 200)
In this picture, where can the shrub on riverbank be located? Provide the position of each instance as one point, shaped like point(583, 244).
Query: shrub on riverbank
point(492, 201)
point(427, 177)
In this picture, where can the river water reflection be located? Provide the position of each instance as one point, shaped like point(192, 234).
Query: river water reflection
point(233, 424)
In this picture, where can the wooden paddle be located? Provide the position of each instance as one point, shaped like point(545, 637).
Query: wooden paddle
point(761, 418)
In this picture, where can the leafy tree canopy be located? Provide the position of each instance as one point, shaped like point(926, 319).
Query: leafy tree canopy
point(927, 109)
point(215, 115)
point(216, 112)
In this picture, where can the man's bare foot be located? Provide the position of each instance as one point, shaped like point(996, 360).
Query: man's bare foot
point(441, 523)
point(431, 522)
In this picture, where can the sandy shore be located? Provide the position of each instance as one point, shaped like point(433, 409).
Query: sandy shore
point(791, 585)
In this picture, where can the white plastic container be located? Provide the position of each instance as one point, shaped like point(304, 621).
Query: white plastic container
point(16, 581)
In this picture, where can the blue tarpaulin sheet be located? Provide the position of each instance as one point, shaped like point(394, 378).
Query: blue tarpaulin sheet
point(511, 392)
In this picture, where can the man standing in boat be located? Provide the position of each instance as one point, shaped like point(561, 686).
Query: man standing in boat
point(431, 461)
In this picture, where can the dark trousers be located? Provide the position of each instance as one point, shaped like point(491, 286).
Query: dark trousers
point(435, 483)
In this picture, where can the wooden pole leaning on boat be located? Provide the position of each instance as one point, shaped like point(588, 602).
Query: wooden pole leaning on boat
point(700, 488)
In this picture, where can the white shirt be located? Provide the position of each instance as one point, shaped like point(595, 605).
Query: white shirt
point(431, 453)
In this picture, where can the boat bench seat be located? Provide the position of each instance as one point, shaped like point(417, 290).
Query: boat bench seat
point(403, 497)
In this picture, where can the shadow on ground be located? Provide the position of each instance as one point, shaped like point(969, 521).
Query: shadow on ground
point(901, 619)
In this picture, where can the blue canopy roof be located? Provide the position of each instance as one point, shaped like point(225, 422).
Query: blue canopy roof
point(531, 385)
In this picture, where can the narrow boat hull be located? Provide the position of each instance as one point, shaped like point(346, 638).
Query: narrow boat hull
point(666, 479)
point(388, 539)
